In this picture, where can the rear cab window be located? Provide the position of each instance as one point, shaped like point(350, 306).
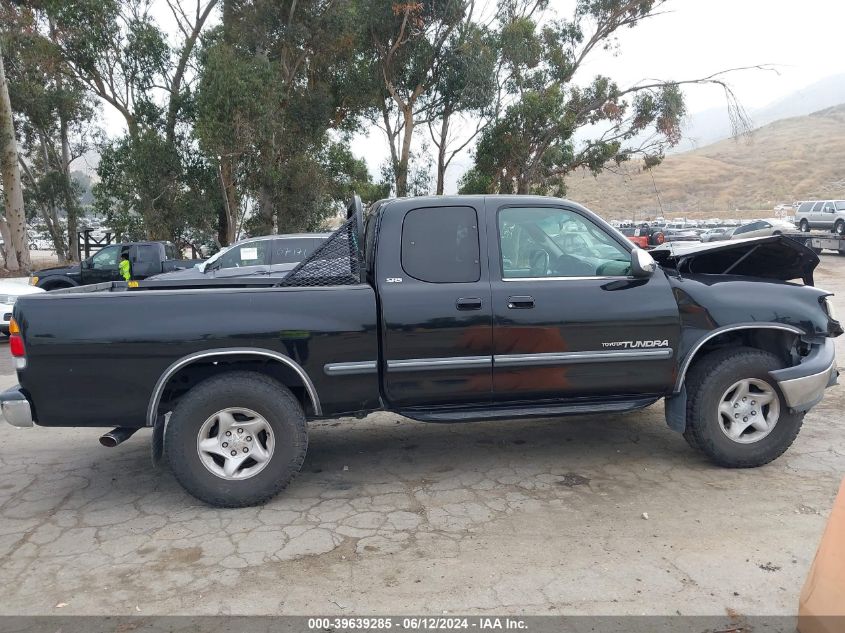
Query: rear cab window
point(440, 245)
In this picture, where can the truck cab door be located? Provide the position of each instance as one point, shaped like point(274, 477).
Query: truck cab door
point(569, 320)
point(102, 266)
point(146, 260)
point(829, 214)
point(434, 292)
point(816, 215)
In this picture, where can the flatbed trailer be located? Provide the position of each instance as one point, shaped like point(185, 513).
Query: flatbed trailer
point(820, 241)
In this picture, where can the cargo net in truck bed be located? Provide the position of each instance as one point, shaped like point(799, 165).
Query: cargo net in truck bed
point(336, 262)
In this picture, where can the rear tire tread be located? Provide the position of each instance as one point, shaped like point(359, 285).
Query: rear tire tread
point(181, 436)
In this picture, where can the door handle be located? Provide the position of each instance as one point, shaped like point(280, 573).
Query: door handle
point(468, 303)
point(520, 302)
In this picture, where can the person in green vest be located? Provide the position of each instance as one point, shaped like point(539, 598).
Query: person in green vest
point(124, 267)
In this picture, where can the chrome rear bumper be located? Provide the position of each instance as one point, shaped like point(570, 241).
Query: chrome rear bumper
point(15, 408)
point(803, 385)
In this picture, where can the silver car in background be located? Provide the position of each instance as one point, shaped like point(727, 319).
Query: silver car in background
point(762, 228)
point(272, 255)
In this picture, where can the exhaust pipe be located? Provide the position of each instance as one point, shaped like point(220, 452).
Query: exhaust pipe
point(116, 436)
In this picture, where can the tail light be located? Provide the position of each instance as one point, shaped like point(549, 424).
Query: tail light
point(16, 346)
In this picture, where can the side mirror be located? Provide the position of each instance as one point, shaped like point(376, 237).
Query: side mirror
point(642, 264)
point(85, 264)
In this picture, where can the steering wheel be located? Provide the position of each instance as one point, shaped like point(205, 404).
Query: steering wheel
point(570, 266)
point(538, 263)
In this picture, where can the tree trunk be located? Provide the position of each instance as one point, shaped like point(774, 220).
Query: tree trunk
point(441, 153)
point(17, 256)
point(49, 212)
point(71, 201)
point(401, 168)
point(227, 225)
point(10, 258)
point(266, 210)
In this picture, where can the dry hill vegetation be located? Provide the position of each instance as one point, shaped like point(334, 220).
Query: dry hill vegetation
point(791, 159)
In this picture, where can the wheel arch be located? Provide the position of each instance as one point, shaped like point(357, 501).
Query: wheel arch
point(774, 334)
point(206, 363)
point(55, 282)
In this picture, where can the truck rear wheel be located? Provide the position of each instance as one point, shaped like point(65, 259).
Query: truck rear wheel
point(804, 226)
point(736, 414)
point(839, 227)
point(236, 439)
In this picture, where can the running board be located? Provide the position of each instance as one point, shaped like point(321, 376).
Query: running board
point(527, 411)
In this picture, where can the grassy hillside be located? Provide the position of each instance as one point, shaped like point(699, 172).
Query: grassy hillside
point(791, 159)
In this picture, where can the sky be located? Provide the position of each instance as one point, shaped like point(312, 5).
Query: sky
point(691, 38)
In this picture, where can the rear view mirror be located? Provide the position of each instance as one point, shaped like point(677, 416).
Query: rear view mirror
point(642, 264)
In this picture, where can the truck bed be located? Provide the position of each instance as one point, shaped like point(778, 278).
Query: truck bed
point(111, 340)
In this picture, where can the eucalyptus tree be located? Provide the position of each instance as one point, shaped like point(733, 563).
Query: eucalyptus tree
point(280, 83)
point(410, 46)
point(554, 124)
point(117, 51)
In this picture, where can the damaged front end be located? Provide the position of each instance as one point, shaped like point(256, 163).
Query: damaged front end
point(775, 257)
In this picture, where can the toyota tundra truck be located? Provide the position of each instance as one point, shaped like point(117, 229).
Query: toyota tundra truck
point(442, 309)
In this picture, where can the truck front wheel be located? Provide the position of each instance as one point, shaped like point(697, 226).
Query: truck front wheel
point(804, 226)
point(736, 414)
point(236, 439)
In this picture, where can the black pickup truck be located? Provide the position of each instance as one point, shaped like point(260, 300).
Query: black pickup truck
point(442, 309)
point(145, 260)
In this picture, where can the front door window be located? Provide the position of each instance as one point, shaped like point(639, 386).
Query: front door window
point(552, 242)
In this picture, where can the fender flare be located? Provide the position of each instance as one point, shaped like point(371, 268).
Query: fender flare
point(158, 390)
point(676, 402)
point(761, 325)
point(42, 281)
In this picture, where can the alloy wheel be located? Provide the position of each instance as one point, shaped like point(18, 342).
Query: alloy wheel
point(748, 410)
point(235, 443)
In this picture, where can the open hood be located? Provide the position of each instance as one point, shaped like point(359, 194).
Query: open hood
point(775, 257)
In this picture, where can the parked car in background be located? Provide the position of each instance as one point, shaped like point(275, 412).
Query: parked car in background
point(681, 235)
point(145, 259)
point(716, 235)
point(822, 214)
point(645, 235)
point(762, 228)
point(9, 293)
point(40, 244)
point(268, 255)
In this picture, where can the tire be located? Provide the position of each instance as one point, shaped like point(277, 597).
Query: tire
point(804, 226)
point(839, 227)
point(55, 285)
point(285, 439)
point(709, 382)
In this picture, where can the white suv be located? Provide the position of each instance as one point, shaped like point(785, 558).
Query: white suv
point(822, 214)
